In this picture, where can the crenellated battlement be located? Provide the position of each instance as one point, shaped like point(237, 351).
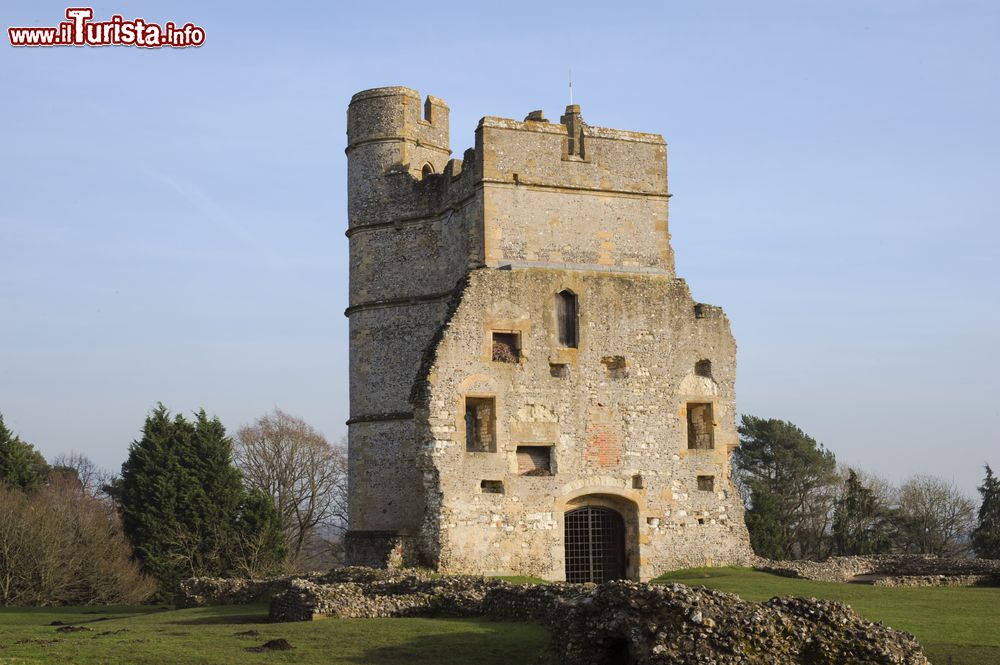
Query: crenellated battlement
point(543, 193)
point(397, 113)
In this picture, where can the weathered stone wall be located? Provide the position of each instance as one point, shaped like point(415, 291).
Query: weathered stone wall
point(443, 253)
point(617, 440)
point(607, 208)
point(204, 591)
point(381, 549)
point(412, 236)
point(890, 570)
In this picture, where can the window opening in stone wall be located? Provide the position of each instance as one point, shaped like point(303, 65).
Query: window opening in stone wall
point(703, 368)
point(534, 460)
point(491, 487)
point(699, 310)
point(506, 347)
point(614, 366)
point(426, 171)
point(428, 111)
point(706, 483)
point(559, 370)
point(566, 318)
point(480, 425)
point(701, 430)
point(637, 482)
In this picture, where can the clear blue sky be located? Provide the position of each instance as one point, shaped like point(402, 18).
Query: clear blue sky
point(171, 221)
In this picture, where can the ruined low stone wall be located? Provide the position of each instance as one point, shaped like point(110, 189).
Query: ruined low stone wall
point(617, 621)
point(629, 622)
point(937, 580)
point(890, 570)
point(202, 591)
point(410, 589)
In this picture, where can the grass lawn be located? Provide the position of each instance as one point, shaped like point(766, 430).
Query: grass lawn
point(147, 635)
point(955, 625)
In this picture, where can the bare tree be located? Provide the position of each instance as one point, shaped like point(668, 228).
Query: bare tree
point(288, 459)
point(91, 477)
point(60, 546)
point(934, 517)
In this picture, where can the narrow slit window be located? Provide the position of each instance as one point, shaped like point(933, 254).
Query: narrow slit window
point(701, 426)
point(480, 425)
point(566, 319)
point(534, 460)
point(506, 347)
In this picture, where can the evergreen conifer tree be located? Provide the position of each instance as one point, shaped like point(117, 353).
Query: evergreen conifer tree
point(21, 465)
point(788, 478)
point(181, 500)
point(986, 535)
point(860, 523)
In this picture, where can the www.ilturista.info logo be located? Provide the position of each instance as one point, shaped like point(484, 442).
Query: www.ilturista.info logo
point(79, 30)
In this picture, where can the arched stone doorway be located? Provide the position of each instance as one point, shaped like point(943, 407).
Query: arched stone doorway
point(595, 544)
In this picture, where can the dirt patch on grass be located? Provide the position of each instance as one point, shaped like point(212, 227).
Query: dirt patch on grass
point(112, 632)
point(41, 643)
point(73, 629)
point(279, 644)
point(248, 633)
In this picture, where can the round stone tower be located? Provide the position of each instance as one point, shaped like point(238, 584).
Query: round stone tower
point(391, 133)
point(396, 143)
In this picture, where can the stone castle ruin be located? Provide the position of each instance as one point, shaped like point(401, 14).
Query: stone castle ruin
point(533, 389)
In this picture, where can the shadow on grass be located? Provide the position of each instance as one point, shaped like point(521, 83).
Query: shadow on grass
point(220, 620)
point(221, 615)
point(962, 654)
point(494, 647)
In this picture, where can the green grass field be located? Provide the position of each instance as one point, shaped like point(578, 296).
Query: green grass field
point(955, 625)
point(148, 636)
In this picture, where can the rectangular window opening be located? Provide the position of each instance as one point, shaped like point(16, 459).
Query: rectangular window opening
point(480, 425)
point(701, 426)
point(491, 487)
point(706, 483)
point(506, 347)
point(614, 366)
point(534, 460)
point(559, 370)
point(637, 482)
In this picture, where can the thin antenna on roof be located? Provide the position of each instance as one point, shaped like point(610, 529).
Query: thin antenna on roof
point(570, 87)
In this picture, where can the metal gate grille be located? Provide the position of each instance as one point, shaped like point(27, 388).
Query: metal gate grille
point(595, 545)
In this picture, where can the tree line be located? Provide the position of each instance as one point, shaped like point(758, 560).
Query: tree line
point(189, 501)
point(801, 505)
point(192, 501)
